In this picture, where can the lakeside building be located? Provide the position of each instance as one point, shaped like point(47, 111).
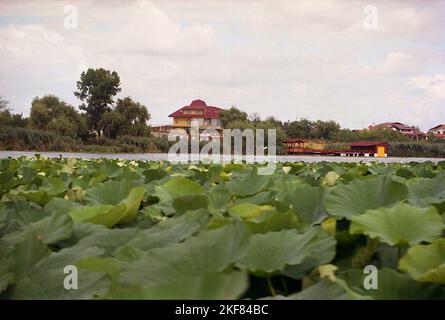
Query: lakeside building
point(206, 116)
point(182, 119)
point(354, 149)
point(438, 131)
point(407, 130)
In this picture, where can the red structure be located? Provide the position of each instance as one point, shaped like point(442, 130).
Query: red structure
point(407, 130)
point(208, 116)
point(356, 149)
point(369, 148)
point(438, 131)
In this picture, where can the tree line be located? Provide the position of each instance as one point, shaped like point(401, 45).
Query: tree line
point(103, 116)
point(305, 129)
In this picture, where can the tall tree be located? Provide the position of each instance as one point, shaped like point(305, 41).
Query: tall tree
point(127, 118)
point(4, 104)
point(231, 115)
point(97, 88)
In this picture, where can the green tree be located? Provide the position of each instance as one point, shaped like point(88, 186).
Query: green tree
point(231, 115)
point(326, 129)
point(302, 128)
point(10, 119)
point(127, 118)
point(50, 113)
point(4, 104)
point(97, 88)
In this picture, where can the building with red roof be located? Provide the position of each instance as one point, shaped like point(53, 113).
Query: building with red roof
point(198, 110)
point(438, 131)
point(404, 129)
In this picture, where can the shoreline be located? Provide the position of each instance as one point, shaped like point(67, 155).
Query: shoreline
point(164, 157)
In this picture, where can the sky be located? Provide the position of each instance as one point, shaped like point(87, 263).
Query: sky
point(355, 62)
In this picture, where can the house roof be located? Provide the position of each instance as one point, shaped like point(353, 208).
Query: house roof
point(367, 143)
point(293, 140)
point(438, 127)
point(208, 111)
point(398, 126)
point(402, 126)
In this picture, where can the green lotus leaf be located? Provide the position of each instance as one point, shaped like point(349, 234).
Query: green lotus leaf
point(248, 184)
point(99, 264)
point(361, 195)
point(105, 214)
point(272, 220)
point(59, 205)
point(248, 211)
point(391, 285)
point(209, 252)
point(305, 200)
point(425, 262)
point(112, 192)
point(424, 192)
point(399, 225)
point(40, 197)
point(190, 202)
point(44, 194)
point(6, 275)
point(214, 286)
point(180, 186)
point(270, 253)
point(86, 235)
point(27, 254)
point(171, 231)
point(54, 228)
point(327, 290)
point(132, 203)
point(44, 278)
point(154, 174)
point(261, 198)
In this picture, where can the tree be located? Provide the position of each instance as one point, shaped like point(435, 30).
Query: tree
point(97, 88)
point(255, 117)
point(127, 118)
point(326, 129)
point(302, 128)
point(232, 115)
point(4, 104)
point(50, 113)
point(10, 119)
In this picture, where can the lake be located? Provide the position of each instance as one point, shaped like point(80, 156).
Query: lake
point(164, 156)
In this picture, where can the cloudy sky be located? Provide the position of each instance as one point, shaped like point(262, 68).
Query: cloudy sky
point(316, 59)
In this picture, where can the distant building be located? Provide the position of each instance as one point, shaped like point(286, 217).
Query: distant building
point(438, 131)
point(160, 131)
point(404, 129)
point(369, 148)
point(198, 110)
point(353, 149)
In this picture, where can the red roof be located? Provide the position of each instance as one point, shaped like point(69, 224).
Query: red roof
point(292, 140)
point(402, 126)
point(438, 127)
point(208, 111)
point(399, 126)
point(367, 143)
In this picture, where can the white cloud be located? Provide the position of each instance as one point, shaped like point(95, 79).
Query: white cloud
point(287, 58)
point(433, 85)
